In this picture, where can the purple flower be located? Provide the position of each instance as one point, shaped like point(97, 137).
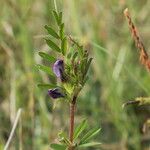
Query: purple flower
point(56, 93)
point(58, 69)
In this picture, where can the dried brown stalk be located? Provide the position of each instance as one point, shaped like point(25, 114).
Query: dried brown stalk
point(144, 58)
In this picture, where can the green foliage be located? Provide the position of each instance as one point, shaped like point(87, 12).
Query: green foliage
point(63, 138)
point(52, 45)
point(90, 134)
point(46, 86)
point(80, 128)
point(47, 57)
point(64, 46)
point(61, 31)
point(58, 17)
point(81, 137)
point(51, 32)
point(91, 144)
point(58, 147)
point(76, 66)
point(45, 69)
point(87, 65)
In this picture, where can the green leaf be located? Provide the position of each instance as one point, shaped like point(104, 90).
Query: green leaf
point(56, 17)
point(88, 65)
point(71, 50)
point(90, 134)
point(58, 146)
point(60, 18)
point(80, 128)
point(63, 138)
point(46, 86)
point(83, 65)
point(52, 45)
point(69, 55)
point(51, 31)
point(64, 46)
point(61, 32)
point(78, 46)
point(85, 80)
point(91, 144)
point(62, 134)
point(47, 57)
point(74, 56)
point(45, 69)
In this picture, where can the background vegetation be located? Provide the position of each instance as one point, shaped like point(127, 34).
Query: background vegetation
point(115, 76)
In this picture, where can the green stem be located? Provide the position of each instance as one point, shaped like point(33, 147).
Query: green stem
point(55, 5)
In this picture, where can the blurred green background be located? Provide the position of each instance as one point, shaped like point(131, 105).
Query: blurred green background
point(115, 76)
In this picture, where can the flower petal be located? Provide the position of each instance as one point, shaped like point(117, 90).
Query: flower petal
point(58, 68)
point(56, 93)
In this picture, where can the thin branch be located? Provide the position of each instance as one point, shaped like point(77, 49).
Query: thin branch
point(13, 129)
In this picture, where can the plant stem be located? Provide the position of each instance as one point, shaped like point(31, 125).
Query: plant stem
point(72, 110)
point(71, 129)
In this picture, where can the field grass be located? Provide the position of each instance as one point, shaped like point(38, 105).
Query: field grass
point(116, 75)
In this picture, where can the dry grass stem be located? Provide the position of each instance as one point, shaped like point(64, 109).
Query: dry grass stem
point(144, 58)
point(13, 129)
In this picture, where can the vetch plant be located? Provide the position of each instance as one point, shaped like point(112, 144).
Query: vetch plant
point(70, 68)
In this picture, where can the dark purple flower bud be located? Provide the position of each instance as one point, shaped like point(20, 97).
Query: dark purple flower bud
point(56, 93)
point(58, 69)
